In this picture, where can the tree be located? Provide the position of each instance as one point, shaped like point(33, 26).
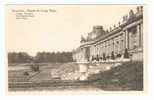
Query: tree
point(35, 68)
point(41, 57)
point(126, 54)
point(104, 57)
point(97, 58)
point(54, 57)
point(18, 57)
point(112, 55)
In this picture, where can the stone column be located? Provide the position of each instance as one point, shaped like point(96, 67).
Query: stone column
point(84, 54)
point(114, 46)
point(126, 40)
point(90, 51)
point(109, 49)
point(94, 50)
point(130, 41)
point(138, 39)
point(102, 49)
point(105, 48)
point(123, 45)
point(120, 43)
point(111, 46)
point(117, 43)
point(99, 50)
point(81, 54)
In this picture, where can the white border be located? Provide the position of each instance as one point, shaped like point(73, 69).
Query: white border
point(150, 47)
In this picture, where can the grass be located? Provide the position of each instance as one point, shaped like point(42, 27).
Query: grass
point(18, 75)
point(128, 76)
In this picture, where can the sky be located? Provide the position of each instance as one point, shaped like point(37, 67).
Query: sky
point(59, 29)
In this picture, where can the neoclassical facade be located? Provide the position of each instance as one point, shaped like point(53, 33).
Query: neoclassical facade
point(126, 36)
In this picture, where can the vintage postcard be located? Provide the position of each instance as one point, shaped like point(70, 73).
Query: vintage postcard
point(75, 48)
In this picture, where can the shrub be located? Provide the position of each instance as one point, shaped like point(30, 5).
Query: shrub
point(97, 58)
point(26, 73)
point(35, 68)
point(104, 57)
point(107, 57)
point(126, 54)
point(118, 55)
point(112, 55)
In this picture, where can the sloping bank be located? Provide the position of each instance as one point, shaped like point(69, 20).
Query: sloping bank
point(128, 76)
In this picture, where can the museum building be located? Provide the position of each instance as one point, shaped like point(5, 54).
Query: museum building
point(115, 43)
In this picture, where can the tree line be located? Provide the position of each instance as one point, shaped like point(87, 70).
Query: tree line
point(41, 57)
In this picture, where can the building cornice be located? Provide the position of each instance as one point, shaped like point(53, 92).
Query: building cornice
point(136, 19)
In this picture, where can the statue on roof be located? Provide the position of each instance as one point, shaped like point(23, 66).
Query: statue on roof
point(131, 13)
point(82, 39)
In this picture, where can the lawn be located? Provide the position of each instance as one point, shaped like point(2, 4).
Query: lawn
point(128, 76)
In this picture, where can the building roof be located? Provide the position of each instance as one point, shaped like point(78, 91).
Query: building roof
point(126, 21)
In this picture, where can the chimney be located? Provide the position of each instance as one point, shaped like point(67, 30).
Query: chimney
point(119, 23)
point(141, 7)
point(110, 29)
point(138, 9)
point(114, 26)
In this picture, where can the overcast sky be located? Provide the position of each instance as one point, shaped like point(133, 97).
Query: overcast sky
point(59, 30)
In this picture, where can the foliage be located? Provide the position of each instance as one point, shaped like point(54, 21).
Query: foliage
point(53, 57)
point(20, 57)
point(104, 57)
point(118, 55)
point(126, 54)
point(41, 57)
point(112, 55)
point(26, 73)
point(35, 68)
point(107, 57)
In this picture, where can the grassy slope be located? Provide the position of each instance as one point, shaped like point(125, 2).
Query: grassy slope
point(128, 76)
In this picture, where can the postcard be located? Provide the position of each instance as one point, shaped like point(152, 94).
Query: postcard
point(63, 48)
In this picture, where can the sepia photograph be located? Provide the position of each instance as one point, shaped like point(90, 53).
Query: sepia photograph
point(75, 47)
